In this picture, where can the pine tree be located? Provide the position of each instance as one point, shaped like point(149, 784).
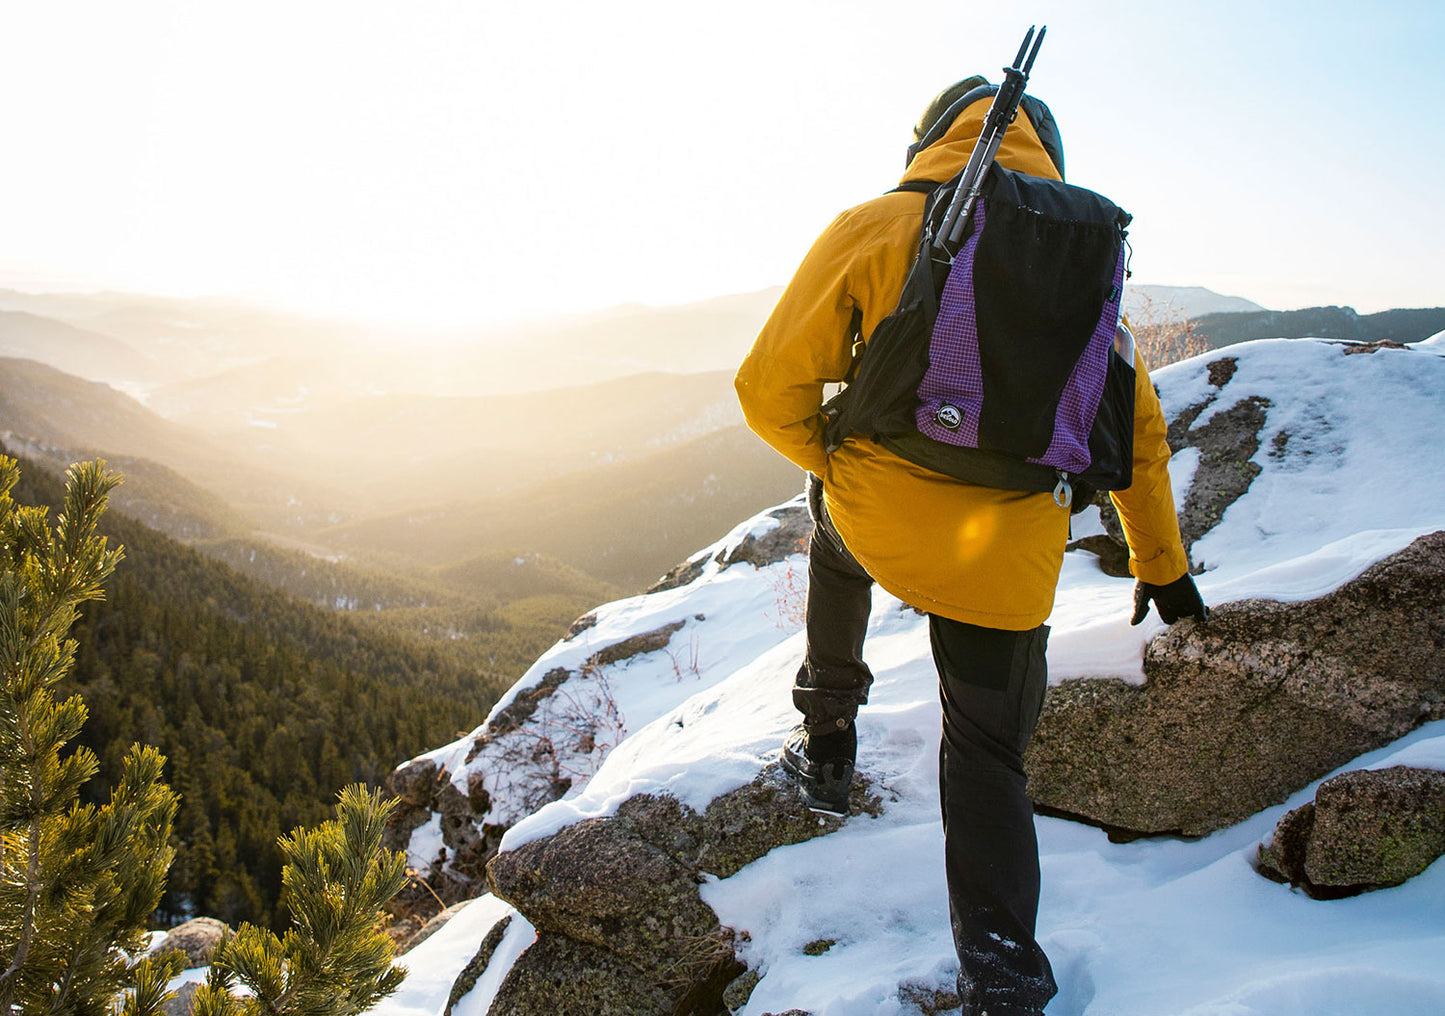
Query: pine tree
point(77, 882)
point(336, 960)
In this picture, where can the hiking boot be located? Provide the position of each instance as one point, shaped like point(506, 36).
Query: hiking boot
point(822, 766)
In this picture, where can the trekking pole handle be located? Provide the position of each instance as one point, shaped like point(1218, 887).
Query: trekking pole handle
point(1023, 46)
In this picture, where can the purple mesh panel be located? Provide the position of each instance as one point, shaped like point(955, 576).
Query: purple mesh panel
point(1069, 449)
point(955, 375)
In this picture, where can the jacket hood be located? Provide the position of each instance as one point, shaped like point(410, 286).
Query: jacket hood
point(1022, 150)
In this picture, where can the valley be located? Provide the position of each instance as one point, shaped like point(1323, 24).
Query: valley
point(343, 546)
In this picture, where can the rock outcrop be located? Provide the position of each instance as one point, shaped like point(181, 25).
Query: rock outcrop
point(1234, 716)
point(532, 747)
point(1226, 445)
point(1226, 442)
point(549, 738)
point(621, 926)
point(197, 938)
point(1241, 712)
point(1366, 829)
point(477, 965)
point(789, 537)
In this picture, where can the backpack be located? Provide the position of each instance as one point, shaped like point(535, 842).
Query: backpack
point(1006, 365)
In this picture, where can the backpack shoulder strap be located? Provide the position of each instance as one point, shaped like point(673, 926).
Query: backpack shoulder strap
point(855, 330)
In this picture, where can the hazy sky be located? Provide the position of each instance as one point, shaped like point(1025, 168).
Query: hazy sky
point(450, 161)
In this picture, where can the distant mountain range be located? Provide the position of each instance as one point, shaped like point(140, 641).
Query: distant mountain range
point(625, 522)
point(57, 418)
point(211, 357)
point(610, 442)
point(217, 363)
point(172, 339)
point(616, 479)
point(75, 350)
point(1183, 301)
point(1322, 322)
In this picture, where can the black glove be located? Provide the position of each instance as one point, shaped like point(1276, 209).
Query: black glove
point(1178, 599)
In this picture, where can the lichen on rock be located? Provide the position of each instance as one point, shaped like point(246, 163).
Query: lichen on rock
point(626, 885)
point(1365, 829)
point(1241, 712)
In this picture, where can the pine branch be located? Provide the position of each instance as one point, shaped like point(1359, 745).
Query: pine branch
point(91, 875)
point(150, 977)
point(336, 961)
point(27, 917)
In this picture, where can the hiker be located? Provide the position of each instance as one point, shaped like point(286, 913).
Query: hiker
point(982, 563)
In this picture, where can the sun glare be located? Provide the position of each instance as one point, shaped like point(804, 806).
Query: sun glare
point(446, 163)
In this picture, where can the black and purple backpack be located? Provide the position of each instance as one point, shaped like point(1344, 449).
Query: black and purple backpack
point(1007, 366)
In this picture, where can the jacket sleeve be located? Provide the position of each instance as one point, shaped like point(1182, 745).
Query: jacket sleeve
point(805, 344)
point(1146, 509)
point(856, 268)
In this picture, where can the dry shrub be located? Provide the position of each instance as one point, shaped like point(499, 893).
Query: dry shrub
point(790, 589)
point(1164, 335)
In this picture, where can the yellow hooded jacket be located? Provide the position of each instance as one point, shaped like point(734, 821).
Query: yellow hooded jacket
point(974, 554)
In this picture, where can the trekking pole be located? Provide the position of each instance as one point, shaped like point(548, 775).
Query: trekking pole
point(1000, 114)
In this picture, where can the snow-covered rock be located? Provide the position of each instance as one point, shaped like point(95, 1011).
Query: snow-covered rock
point(1350, 470)
point(619, 669)
point(618, 896)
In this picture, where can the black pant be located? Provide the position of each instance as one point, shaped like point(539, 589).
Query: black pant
point(991, 684)
point(833, 680)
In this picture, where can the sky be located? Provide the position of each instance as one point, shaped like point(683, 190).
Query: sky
point(446, 162)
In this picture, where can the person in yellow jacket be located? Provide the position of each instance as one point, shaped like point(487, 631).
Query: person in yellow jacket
point(982, 563)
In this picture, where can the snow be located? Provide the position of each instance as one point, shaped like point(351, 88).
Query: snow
point(425, 844)
point(1357, 480)
point(1158, 927)
point(1346, 458)
point(728, 617)
point(433, 966)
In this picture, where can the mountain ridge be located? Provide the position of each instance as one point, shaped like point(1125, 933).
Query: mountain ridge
point(1403, 325)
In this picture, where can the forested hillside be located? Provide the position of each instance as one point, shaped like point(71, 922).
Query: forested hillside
point(264, 705)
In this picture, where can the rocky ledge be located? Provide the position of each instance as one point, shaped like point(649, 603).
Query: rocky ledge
point(1250, 707)
point(621, 928)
